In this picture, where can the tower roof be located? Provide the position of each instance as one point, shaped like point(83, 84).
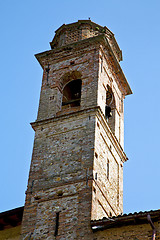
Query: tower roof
point(83, 29)
point(77, 35)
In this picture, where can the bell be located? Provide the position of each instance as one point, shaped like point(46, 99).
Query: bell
point(108, 112)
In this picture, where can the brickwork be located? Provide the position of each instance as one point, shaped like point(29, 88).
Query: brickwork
point(109, 183)
point(84, 29)
point(60, 66)
point(60, 176)
point(108, 78)
point(76, 171)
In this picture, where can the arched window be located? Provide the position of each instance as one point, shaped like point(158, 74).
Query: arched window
point(72, 93)
point(110, 108)
point(109, 99)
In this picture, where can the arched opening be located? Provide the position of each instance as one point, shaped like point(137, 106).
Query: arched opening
point(110, 108)
point(109, 99)
point(72, 93)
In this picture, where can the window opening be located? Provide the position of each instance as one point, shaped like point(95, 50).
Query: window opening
point(57, 224)
point(107, 169)
point(95, 176)
point(47, 71)
point(72, 93)
point(110, 109)
point(109, 100)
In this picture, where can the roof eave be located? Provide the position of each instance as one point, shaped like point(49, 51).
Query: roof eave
point(124, 220)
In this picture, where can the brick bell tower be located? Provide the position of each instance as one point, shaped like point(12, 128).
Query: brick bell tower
point(76, 172)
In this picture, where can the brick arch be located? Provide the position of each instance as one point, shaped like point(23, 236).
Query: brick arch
point(70, 76)
point(110, 99)
point(71, 89)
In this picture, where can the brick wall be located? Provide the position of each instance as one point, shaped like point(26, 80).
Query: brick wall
point(85, 63)
point(60, 177)
point(108, 183)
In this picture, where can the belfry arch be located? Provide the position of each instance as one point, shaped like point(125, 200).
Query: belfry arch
point(71, 89)
point(110, 108)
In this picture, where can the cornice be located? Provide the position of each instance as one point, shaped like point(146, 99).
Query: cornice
point(67, 50)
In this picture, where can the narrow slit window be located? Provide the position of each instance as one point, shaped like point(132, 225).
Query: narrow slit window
point(56, 224)
point(107, 169)
point(96, 176)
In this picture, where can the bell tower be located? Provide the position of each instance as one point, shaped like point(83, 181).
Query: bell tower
point(76, 172)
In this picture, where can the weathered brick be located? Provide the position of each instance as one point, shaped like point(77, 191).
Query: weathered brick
point(74, 142)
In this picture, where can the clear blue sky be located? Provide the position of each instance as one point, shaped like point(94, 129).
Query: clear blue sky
point(27, 27)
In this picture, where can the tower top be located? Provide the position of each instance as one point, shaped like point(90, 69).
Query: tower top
point(83, 29)
point(70, 38)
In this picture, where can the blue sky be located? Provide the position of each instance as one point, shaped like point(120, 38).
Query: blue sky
point(27, 27)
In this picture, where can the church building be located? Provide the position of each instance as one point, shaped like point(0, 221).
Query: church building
point(75, 185)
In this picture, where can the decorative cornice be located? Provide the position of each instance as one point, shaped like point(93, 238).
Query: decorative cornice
point(80, 45)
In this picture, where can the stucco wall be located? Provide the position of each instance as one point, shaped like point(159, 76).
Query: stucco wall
point(11, 233)
point(132, 232)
